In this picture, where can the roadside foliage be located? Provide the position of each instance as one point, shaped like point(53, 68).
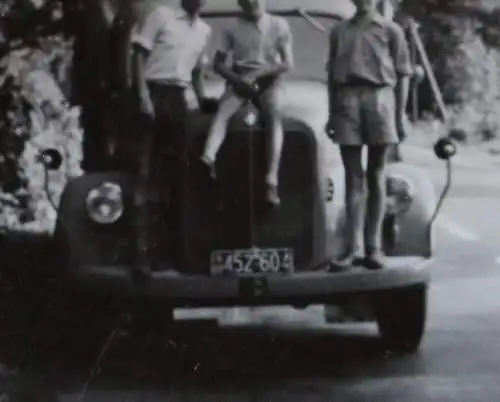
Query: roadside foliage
point(461, 36)
point(34, 113)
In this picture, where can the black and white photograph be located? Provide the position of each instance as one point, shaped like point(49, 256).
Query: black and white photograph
point(249, 200)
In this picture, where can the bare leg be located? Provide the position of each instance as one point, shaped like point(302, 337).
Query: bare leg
point(377, 156)
point(355, 196)
point(229, 105)
point(275, 146)
point(273, 118)
point(394, 154)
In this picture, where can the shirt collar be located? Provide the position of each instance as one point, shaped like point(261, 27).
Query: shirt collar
point(261, 23)
point(181, 14)
point(375, 17)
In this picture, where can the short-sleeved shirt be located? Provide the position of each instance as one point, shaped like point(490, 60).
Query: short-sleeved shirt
point(368, 49)
point(176, 44)
point(255, 44)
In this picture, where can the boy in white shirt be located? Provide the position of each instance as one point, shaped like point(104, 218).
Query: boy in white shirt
point(169, 46)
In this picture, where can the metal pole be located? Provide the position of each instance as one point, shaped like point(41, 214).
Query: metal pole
point(414, 88)
point(251, 178)
point(428, 70)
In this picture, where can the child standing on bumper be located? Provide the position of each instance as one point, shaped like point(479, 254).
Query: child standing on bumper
point(368, 70)
point(261, 48)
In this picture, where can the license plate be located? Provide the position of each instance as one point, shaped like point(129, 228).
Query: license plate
point(252, 261)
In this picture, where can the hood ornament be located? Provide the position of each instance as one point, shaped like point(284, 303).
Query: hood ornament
point(250, 118)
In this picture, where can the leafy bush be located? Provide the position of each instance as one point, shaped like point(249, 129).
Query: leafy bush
point(34, 116)
point(462, 38)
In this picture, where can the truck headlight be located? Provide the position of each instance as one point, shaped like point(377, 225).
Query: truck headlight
point(105, 203)
point(400, 194)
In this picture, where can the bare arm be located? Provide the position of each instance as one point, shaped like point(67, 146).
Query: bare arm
point(404, 69)
point(220, 59)
point(197, 78)
point(330, 72)
point(198, 84)
point(143, 40)
point(221, 67)
point(139, 59)
point(402, 92)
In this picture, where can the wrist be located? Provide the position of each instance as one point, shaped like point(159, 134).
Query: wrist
point(146, 103)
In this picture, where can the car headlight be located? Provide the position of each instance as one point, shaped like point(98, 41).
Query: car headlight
point(400, 194)
point(105, 203)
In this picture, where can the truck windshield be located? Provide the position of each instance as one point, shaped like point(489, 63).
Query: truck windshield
point(310, 45)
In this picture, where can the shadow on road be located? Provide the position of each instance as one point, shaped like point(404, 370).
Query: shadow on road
point(195, 356)
point(202, 358)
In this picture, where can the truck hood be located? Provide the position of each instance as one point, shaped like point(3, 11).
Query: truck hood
point(305, 100)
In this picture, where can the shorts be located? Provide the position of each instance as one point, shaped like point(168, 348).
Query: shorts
point(269, 100)
point(364, 115)
point(268, 103)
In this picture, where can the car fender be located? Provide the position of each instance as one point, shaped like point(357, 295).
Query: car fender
point(415, 231)
point(332, 187)
point(81, 241)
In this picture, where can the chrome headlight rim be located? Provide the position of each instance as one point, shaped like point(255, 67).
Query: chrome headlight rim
point(400, 194)
point(109, 192)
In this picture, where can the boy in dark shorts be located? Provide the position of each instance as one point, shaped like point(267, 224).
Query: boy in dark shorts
point(368, 75)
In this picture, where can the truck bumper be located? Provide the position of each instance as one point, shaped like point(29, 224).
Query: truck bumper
point(305, 287)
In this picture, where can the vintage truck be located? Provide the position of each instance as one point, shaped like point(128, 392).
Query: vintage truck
point(240, 254)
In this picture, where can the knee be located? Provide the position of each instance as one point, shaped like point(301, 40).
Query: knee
point(220, 120)
point(271, 113)
point(223, 114)
point(355, 179)
point(375, 179)
point(274, 127)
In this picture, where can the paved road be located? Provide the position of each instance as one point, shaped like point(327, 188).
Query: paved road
point(285, 355)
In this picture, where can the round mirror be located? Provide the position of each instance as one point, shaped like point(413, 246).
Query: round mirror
point(445, 148)
point(51, 158)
